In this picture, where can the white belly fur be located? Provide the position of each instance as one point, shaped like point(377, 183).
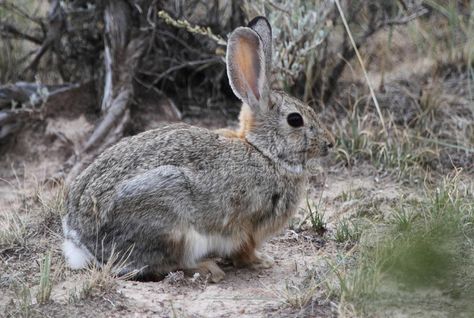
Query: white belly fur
point(200, 245)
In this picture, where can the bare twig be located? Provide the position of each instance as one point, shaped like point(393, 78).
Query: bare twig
point(402, 20)
point(56, 28)
point(183, 24)
point(21, 102)
point(20, 12)
point(279, 8)
point(8, 30)
point(186, 64)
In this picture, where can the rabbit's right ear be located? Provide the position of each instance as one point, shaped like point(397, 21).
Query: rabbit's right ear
point(246, 68)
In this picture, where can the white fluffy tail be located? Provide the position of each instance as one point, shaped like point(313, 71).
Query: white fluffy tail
point(76, 254)
point(76, 257)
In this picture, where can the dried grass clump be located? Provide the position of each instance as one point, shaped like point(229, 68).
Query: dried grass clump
point(13, 231)
point(52, 205)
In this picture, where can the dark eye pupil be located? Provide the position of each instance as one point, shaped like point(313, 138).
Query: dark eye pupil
point(295, 120)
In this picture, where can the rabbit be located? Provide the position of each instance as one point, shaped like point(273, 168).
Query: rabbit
point(174, 197)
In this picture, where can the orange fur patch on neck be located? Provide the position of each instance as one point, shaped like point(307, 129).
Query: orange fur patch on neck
point(247, 121)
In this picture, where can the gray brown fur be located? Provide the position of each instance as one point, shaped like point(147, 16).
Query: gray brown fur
point(147, 193)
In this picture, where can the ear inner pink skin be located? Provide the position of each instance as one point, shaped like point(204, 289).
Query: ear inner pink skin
point(246, 66)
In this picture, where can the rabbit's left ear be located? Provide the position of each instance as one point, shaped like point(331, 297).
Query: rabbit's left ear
point(264, 31)
point(246, 68)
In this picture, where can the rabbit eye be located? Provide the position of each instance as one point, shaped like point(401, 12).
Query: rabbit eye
point(295, 120)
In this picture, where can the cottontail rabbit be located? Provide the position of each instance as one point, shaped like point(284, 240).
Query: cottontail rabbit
point(173, 196)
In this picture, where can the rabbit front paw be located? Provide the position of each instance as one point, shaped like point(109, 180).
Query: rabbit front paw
point(262, 261)
point(253, 259)
point(207, 269)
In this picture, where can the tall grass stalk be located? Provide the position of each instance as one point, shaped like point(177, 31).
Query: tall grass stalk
point(372, 92)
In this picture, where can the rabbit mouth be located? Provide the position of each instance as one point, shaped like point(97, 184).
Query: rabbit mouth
point(324, 151)
point(318, 152)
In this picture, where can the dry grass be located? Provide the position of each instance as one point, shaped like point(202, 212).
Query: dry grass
point(300, 295)
point(52, 203)
point(102, 278)
point(13, 231)
point(306, 294)
point(413, 149)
